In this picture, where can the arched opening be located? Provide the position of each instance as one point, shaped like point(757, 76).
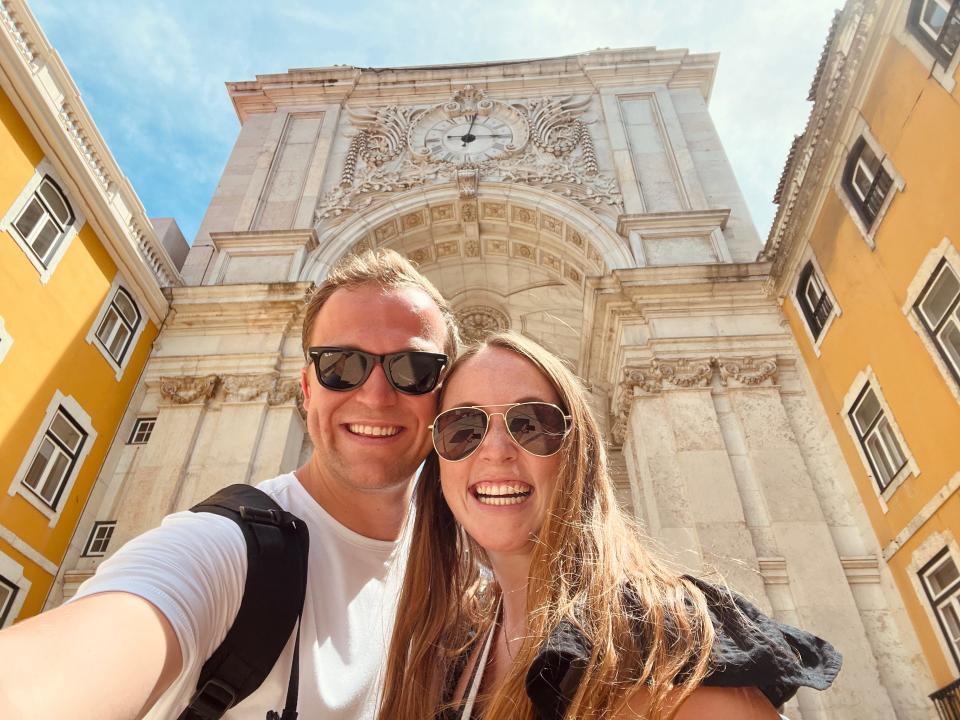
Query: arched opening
point(513, 256)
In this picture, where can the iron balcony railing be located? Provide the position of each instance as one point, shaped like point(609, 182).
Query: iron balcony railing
point(947, 701)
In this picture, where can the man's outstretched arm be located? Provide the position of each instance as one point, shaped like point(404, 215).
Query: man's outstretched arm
point(102, 657)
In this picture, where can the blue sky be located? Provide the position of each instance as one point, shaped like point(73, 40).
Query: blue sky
point(152, 73)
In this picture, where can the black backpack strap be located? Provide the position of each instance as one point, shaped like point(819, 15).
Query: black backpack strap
point(277, 547)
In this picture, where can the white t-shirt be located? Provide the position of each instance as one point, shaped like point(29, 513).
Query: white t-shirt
point(193, 567)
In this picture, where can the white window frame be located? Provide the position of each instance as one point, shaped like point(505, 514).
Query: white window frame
point(117, 285)
point(947, 596)
point(910, 467)
point(12, 572)
point(944, 252)
point(43, 169)
point(861, 130)
point(920, 558)
point(109, 526)
point(946, 76)
point(6, 341)
point(137, 424)
point(835, 312)
point(78, 414)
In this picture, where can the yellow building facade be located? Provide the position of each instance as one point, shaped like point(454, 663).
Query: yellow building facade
point(866, 259)
point(81, 272)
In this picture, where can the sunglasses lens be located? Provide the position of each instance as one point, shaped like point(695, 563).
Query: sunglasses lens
point(341, 369)
point(458, 432)
point(415, 373)
point(539, 428)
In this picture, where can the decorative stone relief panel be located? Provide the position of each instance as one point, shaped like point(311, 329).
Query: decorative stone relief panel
point(547, 144)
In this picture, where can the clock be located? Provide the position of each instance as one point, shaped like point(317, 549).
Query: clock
point(453, 133)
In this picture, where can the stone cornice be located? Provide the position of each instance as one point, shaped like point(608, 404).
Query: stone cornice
point(39, 84)
point(584, 72)
point(844, 74)
point(242, 308)
point(273, 239)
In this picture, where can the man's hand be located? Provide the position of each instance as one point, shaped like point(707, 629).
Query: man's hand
point(102, 657)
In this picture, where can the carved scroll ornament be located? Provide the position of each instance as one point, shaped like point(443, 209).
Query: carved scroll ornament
point(185, 390)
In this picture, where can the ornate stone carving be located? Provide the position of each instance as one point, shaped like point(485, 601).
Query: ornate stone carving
point(560, 156)
point(658, 375)
point(747, 370)
point(478, 321)
point(244, 388)
point(186, 390)
point(286, 391)
point(467, 180)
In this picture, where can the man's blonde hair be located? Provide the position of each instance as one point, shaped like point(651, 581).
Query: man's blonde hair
point(385, 268)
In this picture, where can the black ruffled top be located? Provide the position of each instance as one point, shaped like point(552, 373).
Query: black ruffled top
point(750, 649)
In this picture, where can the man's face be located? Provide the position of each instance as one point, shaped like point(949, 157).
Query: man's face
point(372, 437)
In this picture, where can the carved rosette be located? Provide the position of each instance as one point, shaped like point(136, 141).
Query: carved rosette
point(186, 390)
point(479, 321)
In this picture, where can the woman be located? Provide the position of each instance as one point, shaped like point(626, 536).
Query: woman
point(529, 595)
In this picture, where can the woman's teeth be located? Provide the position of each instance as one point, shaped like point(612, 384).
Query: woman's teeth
point(502, 494)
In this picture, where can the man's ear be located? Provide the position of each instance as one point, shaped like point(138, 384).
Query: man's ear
point(305, 386)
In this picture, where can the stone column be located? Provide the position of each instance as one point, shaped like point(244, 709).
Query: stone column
point(677, 447)
point(254, 433)
point(807, 581)
point(153, 484)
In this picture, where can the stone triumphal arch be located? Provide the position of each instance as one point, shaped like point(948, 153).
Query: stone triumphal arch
point(586, 202)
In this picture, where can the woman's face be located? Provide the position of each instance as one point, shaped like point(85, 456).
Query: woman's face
point(500, 493)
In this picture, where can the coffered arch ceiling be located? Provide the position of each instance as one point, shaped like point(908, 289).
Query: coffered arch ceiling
point(510, 256)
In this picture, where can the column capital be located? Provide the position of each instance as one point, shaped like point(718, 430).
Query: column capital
point(188, 389)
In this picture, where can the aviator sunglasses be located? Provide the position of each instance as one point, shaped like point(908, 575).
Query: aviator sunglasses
point(411, 371)
point(539, 428)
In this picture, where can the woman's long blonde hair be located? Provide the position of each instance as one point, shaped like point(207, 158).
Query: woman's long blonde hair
point(586, 556)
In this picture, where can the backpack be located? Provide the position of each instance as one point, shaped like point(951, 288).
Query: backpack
point(277, 547)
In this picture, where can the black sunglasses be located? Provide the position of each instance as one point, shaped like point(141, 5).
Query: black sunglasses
point(537, 427)
point(410, 371)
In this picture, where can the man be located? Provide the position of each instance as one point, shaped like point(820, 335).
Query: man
point(134, 639)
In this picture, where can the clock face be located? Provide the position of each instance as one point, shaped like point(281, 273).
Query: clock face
point(467, 137)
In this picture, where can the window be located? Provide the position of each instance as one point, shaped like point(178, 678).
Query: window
point(118, 325)
point(142, 430)
point(99, 538)
point(941, 580)
point(54, 461)
point(866, 182)
point(813, 300)
point(939, 312)
point(44, 222)
point(936, 24)
point(8, 593)
point(877, 438)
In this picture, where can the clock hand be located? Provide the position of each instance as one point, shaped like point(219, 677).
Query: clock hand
point(474, 137)
point(467, 137)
